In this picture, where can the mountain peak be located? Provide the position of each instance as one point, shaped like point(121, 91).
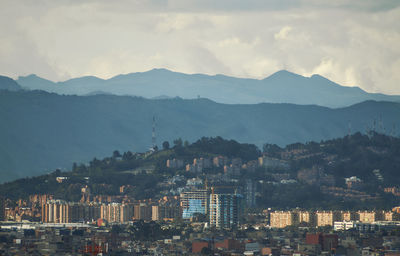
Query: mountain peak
point(32, 77)
point(317, 76)
point(283, 74)
point(29, 76)
point(159, 70)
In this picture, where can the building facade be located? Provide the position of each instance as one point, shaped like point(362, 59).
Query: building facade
point(195, 201)
point(225, 210)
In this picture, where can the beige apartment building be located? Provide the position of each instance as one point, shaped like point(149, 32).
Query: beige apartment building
point(281, 219)
point(327, 218)
point(349, 216)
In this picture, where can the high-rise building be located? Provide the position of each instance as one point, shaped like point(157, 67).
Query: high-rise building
point(306, 217)
point(250, 193)
point(58, 211)
point(142, 211)
point(116, 212)
point(281, 219)
point(195, 201)
point(389, 216)
point(111, 212)
point(126, 212)
point(370, 216)
point(327, 218)
point(165, 211)
point(349, 216)
point(225, 209)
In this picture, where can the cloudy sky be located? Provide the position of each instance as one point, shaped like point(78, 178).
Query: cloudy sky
point(354, 42)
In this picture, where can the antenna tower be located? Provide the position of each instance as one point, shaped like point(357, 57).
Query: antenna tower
point(393, 132)
point(374, 127)
point(349, 129)
point(153, 134)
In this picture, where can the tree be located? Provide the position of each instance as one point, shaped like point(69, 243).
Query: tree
point(128, 156)
point(116, 154)
point(178, 143)
point(165, 145)
point(271, 149)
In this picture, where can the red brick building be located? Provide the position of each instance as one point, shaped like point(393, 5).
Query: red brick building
point(327, 242)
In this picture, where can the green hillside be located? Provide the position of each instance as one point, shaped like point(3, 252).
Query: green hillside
point(356, 155)
point(42, 131)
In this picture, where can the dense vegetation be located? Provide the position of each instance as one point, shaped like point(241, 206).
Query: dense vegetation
point(356, 155)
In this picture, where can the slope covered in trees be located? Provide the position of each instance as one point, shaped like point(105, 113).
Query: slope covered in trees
point(356, 155)
point(40, 131)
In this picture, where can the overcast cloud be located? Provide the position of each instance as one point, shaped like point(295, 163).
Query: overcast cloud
point(353, 42)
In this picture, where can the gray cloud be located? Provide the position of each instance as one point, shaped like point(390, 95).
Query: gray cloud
point(351, 42)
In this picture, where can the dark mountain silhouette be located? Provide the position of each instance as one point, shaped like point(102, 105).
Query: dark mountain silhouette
point(281, 87)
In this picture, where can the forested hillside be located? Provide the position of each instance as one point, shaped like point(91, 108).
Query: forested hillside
point(42, 131)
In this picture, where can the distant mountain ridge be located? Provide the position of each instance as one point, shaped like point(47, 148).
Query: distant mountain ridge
point(281, 87)
point(8, 84)
point(42, 131)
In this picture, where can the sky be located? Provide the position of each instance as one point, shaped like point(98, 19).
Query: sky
point(352, 42)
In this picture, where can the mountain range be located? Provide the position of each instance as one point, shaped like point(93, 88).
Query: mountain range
point(9, 84)
point(41, 131)
point(280, 87)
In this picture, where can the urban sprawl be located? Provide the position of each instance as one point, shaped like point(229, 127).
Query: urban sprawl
point(199, 217)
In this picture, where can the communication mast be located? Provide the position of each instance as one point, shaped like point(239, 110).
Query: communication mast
point(381, 127)
point(374, 127)
point(349, 129)
point(153, 135)
point(393, 132)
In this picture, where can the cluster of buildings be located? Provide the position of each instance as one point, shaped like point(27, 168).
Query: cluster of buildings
point(190, 239)
point(229, 166)
point(81, 239)
point(59, 211)
point(281, 219)
point(300, 243)
point(392, 190)
point(24, 209)
point(220, 207)
point(312, 244)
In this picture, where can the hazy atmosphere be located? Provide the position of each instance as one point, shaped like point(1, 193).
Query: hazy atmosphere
point(200, 127)
point(354, 43)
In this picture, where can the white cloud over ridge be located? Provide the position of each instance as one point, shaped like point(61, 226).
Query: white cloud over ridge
point(349, 42)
